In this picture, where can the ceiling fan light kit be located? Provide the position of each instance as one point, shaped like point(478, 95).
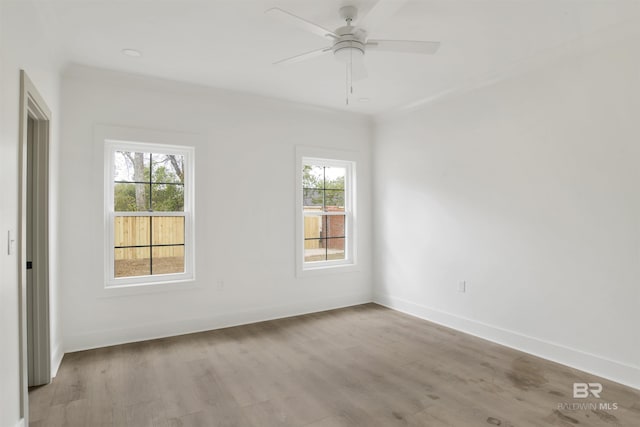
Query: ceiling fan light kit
point(350, 42)
point(348, 51)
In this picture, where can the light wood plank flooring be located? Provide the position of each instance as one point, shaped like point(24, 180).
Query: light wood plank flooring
point(359, 366)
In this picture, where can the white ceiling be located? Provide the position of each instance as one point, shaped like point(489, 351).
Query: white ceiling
point(232, 44)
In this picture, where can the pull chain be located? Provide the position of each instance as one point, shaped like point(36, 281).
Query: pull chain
point(351, 67)
point(346, 84)
point(349, 77)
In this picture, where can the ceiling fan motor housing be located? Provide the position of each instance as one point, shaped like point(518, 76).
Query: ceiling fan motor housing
point(350, 44)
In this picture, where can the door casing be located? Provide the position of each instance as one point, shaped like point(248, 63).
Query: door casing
point(34, 333)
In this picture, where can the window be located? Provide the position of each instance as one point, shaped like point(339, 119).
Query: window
point(149, 213)
point(326, 206)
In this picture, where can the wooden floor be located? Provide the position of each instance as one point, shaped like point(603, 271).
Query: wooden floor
point(360, 366)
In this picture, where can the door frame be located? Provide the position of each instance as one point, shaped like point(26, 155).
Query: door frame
point(32, 105)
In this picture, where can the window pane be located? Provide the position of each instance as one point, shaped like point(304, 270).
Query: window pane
point(335, 249)
point(131, 197)
point(168, 168)
point(334, 200)
point(312, 254)
point(132, 262)
point(325, 192)
point(131, 230)
point(168, 230)
point(313, 243)
point(167, 197)
point(168, 259)
point(312, 176)
point(334, 177)
point(313, 226)
point(334, 226)
point(313, 199)
point(130, 166)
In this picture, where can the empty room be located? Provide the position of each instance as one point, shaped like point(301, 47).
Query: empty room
point(307, 213)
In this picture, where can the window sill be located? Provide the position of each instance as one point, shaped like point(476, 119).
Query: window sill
point(117, 290)
point(326, 269)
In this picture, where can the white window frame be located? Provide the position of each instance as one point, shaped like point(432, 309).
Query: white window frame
point(327, 158)
point(111, 146)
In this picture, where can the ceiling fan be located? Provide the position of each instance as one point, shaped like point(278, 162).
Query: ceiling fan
point(350, 42)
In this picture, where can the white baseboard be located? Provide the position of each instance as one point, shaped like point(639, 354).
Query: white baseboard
point(20, 423)
point(56, 359)
point(591, 363)
point(104, 338)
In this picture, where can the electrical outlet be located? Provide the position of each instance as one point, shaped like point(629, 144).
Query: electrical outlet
point(220, 284)
point(462, 286)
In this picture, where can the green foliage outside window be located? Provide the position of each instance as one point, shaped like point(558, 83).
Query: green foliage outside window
point(165, 192)
point(320, 190)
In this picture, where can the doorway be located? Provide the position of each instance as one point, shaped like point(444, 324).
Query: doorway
point(35, 118)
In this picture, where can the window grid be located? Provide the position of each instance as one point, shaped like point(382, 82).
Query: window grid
point(150, 252)
point(150, 184)
point(327, 237)
point(151, 245)
point(325, 231)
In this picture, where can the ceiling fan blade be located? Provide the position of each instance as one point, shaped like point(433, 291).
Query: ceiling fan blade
point(303, 56)
point(358, 70)
point(404, 46)
point(301, 22)
point(379, 13)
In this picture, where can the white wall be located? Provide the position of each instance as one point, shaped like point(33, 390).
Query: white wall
point(528, 190)
point(22, 48)
point(245, 207)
